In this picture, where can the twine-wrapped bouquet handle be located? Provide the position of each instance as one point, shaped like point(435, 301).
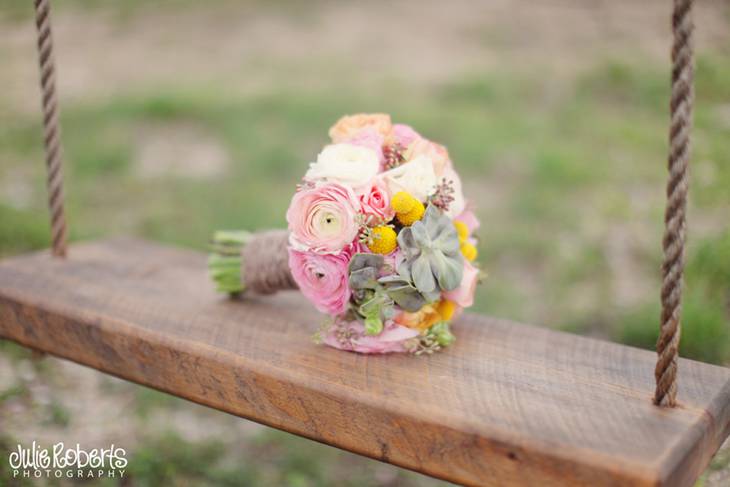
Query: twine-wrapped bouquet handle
point(241, 261)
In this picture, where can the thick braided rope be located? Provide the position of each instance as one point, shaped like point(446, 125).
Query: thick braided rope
point(675, 213)
point(51, 131)
point(265, 261)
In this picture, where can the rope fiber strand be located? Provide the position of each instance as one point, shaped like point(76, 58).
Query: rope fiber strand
point(265, 262)
point(51, 130)
point(675, 213)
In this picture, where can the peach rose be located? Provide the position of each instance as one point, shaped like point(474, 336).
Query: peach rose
point(436, 152)
point(348, 126)
point(419, 320)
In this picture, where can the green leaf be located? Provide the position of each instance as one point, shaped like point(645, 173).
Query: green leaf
point(373, 325)
point(442, 332)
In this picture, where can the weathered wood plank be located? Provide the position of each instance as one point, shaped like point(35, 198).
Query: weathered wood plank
point(508, 404)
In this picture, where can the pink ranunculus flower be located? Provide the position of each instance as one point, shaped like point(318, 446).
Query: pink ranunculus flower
point(393, 338)
point(375, 203)
point(322, 278)
point(463, 295)
point(322, 218)
point(404, 135)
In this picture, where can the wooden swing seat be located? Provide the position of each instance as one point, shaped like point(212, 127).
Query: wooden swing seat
point(508, 404)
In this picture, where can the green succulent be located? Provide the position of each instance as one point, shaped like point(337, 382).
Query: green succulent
point(375, 296)
point(376, 310)
point(405, 294)
point(364, 270)
point(372, 303)
point(432, 255)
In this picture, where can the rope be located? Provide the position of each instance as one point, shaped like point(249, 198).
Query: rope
point(265, 261)
point(51, 131)
point(675, 213)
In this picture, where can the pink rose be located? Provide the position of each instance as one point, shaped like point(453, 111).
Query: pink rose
point(404, 134)
point(464, 294)
point(322, 218)
point(323, 279)
point(469, 219)
point(393, 338)
point(372, 139)
point(375, 203)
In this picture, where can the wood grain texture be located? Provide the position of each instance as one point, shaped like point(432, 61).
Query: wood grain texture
point(508, 404)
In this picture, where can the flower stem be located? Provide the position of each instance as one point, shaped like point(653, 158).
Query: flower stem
point(224, 260)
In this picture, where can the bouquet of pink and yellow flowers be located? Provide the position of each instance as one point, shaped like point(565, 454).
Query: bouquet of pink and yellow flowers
point(381, 239)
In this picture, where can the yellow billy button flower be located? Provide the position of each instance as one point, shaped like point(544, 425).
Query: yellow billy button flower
point(403, 202)
point(408, 209)
point(382, 241)
point(462, 231)
point(469, 251)
point(446, 309)
point(411, 217)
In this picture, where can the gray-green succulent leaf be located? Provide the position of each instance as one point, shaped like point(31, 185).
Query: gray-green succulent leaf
point(364, 270)
point(405, 294)
point(432, 255)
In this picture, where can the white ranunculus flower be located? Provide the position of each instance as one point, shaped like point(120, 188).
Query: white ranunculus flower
point(457, 206)
point(416, 177)
point(347, 164)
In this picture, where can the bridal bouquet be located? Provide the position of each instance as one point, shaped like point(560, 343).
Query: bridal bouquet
point(381, 239)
